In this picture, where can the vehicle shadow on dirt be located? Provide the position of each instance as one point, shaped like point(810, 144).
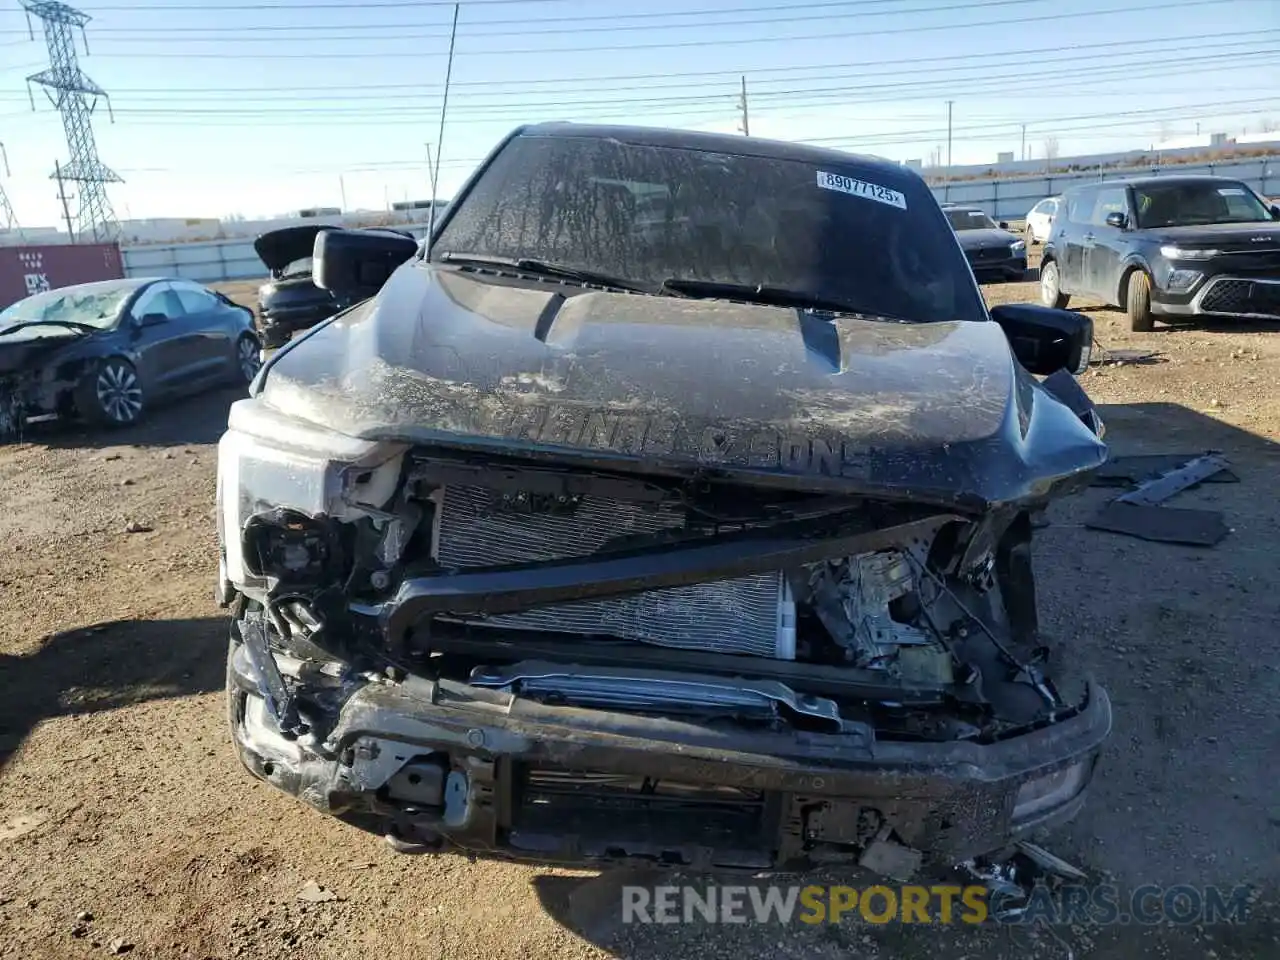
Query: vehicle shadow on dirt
point(200, 419)
point(106, 666)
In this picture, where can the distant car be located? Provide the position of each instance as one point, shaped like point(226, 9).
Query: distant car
point(988, 246)
point(1168, 247)
point(1040, 219)
point(104, 351)
point(290, 301)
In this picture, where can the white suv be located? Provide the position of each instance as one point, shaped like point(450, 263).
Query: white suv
point(1040, 220)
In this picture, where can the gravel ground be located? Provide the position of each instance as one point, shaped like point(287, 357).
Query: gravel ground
point(127, 826)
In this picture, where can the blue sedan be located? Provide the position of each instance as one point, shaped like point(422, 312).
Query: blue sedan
point(104, 351)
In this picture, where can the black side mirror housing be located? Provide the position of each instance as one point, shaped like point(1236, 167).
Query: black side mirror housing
point(1045, 340)
point(1117, 219)
point(152, 319)
point(354, 264)
point(1275, 212)
point(1004, 224)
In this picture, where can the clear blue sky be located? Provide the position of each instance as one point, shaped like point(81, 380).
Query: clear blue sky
point(258, 108)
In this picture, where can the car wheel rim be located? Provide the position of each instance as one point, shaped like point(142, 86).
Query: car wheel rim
point(119, 393)
point(250, 360)
point(1049, 283)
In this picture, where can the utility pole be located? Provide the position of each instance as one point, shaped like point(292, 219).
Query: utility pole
point(62, 195)
point(742, 103)
point(75, 96)
point(1024, 141)
point(342, 189)
point(949, 103)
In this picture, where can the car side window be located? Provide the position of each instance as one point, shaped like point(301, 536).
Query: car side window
point(1044, 207)
point(1110, 200)
point(159, 298)
point(195, 299)
point(1080, 207)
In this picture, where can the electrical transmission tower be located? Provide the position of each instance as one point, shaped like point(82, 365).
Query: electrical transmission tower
point(75, 96)
point(6, 208)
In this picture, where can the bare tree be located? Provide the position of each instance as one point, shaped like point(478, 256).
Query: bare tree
point(1267, 125)
point(1051, 148)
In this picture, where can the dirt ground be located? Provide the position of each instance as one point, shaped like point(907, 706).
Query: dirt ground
point(120, 797)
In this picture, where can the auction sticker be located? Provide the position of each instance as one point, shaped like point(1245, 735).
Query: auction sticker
point(860, 188)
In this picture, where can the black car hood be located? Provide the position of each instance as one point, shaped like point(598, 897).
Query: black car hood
point(1210, 234)
point(936, 411)
point(279, 248)
point(984, 239)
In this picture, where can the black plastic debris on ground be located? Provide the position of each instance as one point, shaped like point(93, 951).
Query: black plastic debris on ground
point(1138, 513)
point(1123, 471)
point(1106, 357)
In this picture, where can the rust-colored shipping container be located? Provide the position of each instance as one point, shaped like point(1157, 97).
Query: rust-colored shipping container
point(28, 270)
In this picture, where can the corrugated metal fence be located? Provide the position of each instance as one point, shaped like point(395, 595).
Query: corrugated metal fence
point(1003, 198)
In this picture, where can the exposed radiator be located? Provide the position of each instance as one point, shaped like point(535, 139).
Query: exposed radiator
point(750, 615)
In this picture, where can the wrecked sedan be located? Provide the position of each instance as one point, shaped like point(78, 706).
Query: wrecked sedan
point(672, 505)
point(104, 351)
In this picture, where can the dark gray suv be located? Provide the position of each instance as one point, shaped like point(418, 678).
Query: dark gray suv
point(1167, 247)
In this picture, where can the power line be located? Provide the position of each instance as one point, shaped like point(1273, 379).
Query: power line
point(794, 99)
point(1079, 123)
point(316, 5)
point(755, 72)
point(343, 105)
point(403, 31)
point(720, 42)
point(669, 19)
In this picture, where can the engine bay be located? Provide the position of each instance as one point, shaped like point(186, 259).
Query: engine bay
point(915, 620)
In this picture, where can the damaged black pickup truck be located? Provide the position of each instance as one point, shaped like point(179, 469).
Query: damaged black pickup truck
point(672, 504)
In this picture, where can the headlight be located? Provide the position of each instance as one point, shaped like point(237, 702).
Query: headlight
point(268, 462)
point(1018, 248)
point(1182, 280)
point(1182, 253)
point(266, 290)
point(1045, 793)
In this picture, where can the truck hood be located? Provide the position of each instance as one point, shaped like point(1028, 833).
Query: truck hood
point(937, 411)
point(984, 239)
point(279, 248)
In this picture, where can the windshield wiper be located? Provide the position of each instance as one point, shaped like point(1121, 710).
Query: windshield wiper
point(547, 269)
point(73, 324)
point(760, 293)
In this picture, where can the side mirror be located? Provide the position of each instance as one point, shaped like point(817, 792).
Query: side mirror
point(152, 319)
point(1118, 220)
point(356, 263)
point(1004, 224)
point(1046, 340)
point(1275, 212)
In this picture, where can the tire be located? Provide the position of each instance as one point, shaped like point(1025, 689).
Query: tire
point(1137, 303)
point(111, 394)
point(248, 358)
point(1051, 294)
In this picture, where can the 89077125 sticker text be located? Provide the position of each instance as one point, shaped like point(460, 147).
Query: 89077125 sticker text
point(860, 188)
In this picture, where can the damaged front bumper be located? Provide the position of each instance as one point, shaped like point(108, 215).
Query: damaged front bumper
point(446, 765)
